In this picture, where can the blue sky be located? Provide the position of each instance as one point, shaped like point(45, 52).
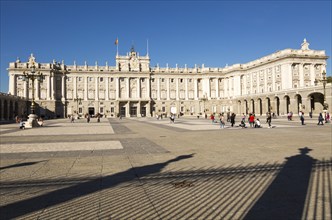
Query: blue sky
point(215, 33)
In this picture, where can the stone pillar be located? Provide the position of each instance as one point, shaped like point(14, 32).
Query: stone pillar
point(158, 88)
point(139, 109)
point(293, 106)
point(209, 88)
point(148, 111)
point(138, 88)
point(96, 88)
point(107, 95)
point(217, 88)
point(312, 74)
point(186, 88)
point(301, 75)
point(63, 89)
point(12, 84)
point(48, 84)
point(127, 88)
point(195, 89)
point(117, 88)
point(168, 88)
point(37, 87)
point(53, 87)
point(148, 88)
point(128, 108)
point(177, 89)
point(86, 95)
point(75, 88)
point(26, 90)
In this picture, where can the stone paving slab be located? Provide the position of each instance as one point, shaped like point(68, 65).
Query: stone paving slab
point(168, 172)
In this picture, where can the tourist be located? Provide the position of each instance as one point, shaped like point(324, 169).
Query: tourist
point(301, 117)
point(22, 124)
point(257, 123)
point(88, 118)
point(233, 119)
point(251, 120)
point(222, 121)
point(269, 119)
point(320, 119)
point(327, 117)
point(212, 118)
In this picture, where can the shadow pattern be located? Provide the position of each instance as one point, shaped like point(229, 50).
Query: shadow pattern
point(151, 192)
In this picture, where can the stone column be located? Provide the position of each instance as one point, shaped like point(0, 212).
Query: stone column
point(301, 75)
point(117, 88)
point(158, 88)
point(217, 88)
point(148, 112)
point(186, 87)
point(48, 84)
point(63, 89)
point(312, 74)
point(168, 88)
point(127, 88)
point(86, 95)
point(139, 109)
point(96, 88)
point(177, 89)
point(12, 84)
point(37, 87)
point(26, 90)
point(128, 108)
point(138, 88)
point(195, 89)
point(75, 88)
point(53, 87)
point(107, 95)
point(209, 88)
point(148, 88)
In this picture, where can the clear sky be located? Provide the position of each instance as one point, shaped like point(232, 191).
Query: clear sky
point(215, 33)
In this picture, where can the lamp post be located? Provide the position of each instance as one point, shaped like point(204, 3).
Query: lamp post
point(32, 75)
point(324, 81)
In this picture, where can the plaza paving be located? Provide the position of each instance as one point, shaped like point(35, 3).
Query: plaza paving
point(143, 168)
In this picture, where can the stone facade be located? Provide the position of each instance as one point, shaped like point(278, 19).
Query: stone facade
point(287, 80)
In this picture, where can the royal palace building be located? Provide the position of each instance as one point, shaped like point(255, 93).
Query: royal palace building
point(287, 80)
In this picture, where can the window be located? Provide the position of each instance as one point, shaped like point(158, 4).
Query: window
point(190, 80)
point(69, 79)
point(101, 79)
point(80, 79)
point(152, 80)
point(143, 80)
point(172, 80)
point(112, 109)
point(163, 109)
point(162, 80)
point(181, 80)
point(90, 79)
point(111, 79)
point(101, 110)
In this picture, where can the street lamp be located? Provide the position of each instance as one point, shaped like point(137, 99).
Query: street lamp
point(324, 81)
point(32, 75)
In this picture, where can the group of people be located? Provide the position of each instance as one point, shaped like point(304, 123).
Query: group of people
point(321, 118)
point(87, 116)
point(252, 120)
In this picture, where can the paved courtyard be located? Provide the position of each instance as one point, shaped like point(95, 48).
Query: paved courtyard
point(144, 168)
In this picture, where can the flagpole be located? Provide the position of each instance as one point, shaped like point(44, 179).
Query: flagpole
point(147, 47)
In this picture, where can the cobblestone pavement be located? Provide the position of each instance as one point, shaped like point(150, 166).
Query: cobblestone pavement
point(144, 168)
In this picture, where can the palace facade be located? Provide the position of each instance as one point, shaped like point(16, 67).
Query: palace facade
point(287, 80)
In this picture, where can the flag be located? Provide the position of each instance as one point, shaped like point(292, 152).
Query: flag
point(116, 41)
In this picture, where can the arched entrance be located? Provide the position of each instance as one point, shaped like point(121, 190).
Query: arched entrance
point(246, 106)
point(298, 99)
point(316, 102)
point(252, 106)
point(260, 106)
point(268, 103)
point(277, 107)
point(287, 103)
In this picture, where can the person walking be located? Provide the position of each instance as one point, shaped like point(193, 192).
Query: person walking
point(233, 119)
point(302, 118)
point(222, 121)
point(88, 118)
point(320, 119)
point(251, 120)
point(269, 119)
